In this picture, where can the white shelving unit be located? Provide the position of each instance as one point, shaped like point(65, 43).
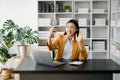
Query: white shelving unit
point(114, 34)
point(115, 28)
point(95, 17)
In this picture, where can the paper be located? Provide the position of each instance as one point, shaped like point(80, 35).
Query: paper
point(76, 63)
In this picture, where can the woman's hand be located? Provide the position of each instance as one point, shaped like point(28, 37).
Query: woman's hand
point(80, 39)
point(51, 31)
point(80, 36)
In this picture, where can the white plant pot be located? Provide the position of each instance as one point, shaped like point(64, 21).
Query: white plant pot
point(67, 10)
point(24, 51)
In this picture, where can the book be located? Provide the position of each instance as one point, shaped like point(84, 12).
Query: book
point(60, 9)
point(47, 7)
point(43, 7)
point(51, 7)
point(57, 7)
point(86, 32)
point(40, 7)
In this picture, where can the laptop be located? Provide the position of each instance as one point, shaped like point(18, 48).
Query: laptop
point(45, 58)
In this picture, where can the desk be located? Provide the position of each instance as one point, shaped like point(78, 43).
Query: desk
point(92, 69)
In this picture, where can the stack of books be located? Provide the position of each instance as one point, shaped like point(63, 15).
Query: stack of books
point(118, 23)
point(100, 22)
point(43, 34)
point(83, 10)
point(84, 32)
point(46, 7)
point(44, 22)
point(113, 49)
point(112, 23)
point(59, 7)
point(99, 45)
point(98, 10)
point(82, 21)
point(63, 21)
point(118, 52)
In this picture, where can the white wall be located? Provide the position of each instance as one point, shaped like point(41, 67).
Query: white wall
point(22, 12)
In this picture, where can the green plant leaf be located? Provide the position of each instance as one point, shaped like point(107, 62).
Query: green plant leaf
point(8, 40)
point(4, 55)
point(9, 25)
point(67, 7)
point(27, 35)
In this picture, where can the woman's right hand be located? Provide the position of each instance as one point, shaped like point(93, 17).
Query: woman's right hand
point(51, 31)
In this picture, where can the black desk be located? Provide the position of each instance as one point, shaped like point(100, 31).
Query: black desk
point(92, 69)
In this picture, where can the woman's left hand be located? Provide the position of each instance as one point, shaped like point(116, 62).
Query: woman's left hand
point(80, 39)
point(80, 36)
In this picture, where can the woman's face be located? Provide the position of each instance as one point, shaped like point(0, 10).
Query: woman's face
point(70, 29)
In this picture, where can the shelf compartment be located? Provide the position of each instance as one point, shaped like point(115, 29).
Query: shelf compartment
point(85, 32)
point(63, 19)
point(100, 4)
point(82, 7)
point(99, 32)
point(83, 17)
point(99, 55)
point(42, 42)
point(45, 6)
point(42, 28)
point(60, 4)
point(99, 19)
point(99, 45)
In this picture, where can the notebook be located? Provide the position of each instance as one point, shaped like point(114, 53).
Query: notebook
point(45, 58)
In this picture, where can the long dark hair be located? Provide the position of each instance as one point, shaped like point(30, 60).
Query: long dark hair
point(75, 22)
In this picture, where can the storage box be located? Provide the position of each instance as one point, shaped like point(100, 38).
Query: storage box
point(44, 22)
point(98, 10)
point(83, 10)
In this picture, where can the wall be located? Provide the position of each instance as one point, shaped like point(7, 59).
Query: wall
point(22, 12)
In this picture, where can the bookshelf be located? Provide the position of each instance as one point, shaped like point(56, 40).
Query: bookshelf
point(114, 34)
point(92, 15)
point(115, 29)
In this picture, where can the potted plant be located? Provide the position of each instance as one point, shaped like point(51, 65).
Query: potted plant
point(6, 43)
point(4, 57)
point(67, 8)
point(24, 35)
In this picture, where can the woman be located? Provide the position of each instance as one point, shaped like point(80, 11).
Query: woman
point(70, 45)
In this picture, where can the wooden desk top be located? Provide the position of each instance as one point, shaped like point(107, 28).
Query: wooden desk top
point(89, 66)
